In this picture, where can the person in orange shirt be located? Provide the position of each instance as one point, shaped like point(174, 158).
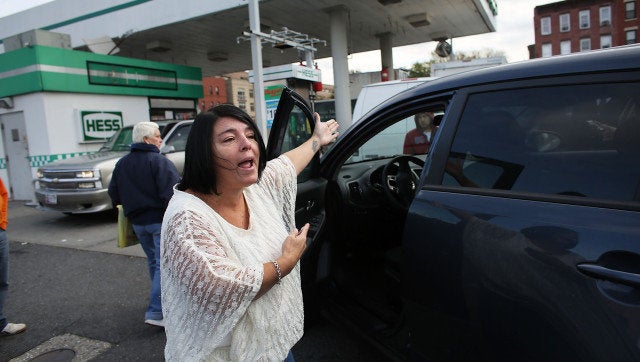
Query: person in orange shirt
point(6, 329)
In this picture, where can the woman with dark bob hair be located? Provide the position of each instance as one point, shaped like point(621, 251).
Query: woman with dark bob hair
point(199, 173)
point(230, 248)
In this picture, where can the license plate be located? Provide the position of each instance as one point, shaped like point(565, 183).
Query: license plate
point(51, 199)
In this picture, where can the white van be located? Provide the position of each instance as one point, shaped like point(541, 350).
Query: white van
point(373, 94)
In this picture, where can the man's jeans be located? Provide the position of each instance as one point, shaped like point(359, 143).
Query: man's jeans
point(4, 275)
point(149, 236)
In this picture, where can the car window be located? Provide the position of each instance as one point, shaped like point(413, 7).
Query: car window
point(120, 141)
point(178, 139)
point(404, 136)
point(165, 128)
point(574, 140)
point(298, 131)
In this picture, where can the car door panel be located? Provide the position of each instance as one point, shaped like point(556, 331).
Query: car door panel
point(519, 260)
point(554, 247)
point(310, 206)
point(293, 124)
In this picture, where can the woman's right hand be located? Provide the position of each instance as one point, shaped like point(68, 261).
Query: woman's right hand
point(292, 248)
point(325, 132)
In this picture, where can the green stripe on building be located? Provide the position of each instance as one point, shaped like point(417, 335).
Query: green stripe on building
point(47, 69)
point(40, 160)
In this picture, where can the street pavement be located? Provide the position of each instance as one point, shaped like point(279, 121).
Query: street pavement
point(83, 298)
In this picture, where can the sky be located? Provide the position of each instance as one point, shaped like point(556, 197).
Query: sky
point(514, 31)
point(8, 7)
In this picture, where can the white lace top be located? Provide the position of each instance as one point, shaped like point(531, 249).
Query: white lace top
point(212, 270)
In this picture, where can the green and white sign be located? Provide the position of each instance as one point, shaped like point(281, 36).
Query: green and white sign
point(272, 97)
point(289, 71)
point(98, 126)
point(45, 69)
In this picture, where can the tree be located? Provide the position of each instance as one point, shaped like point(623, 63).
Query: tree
point(473, 54)
point(419, 70)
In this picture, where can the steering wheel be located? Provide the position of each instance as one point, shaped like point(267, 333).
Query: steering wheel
point(400, 187)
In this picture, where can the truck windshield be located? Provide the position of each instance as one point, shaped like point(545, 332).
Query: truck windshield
point(120, 141)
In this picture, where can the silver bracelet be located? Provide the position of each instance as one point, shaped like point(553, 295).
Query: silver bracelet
point(275, 263)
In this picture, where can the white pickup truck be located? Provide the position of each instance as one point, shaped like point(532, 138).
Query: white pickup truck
point(79, 185)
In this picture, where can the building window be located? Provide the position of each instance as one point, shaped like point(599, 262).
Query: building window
point(210, 90)
point(217, 90)
point(605, 16)
point(584, 19)
point(241, 95)
point(630, 10)
point(565, 47)
point(546, 50)
point(585, 44)
point(545, 26)
point(631, 36)
point(242, 106)
point(251, 93)
point(605, 41)
point(252, 107)
point(564, 23)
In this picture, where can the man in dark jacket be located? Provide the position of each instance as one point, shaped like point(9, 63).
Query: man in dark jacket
point(142, 182)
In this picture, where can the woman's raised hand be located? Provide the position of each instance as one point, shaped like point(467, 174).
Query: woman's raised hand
point(326, 132)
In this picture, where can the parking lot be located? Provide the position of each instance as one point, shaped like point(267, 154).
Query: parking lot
point(81, 295)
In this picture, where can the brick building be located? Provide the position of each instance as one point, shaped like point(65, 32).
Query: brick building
point(240, 92)
point(215, 92)
point(233, 88)
point(577, 25)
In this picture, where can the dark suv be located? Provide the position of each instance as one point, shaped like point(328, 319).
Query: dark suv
point(516, 238)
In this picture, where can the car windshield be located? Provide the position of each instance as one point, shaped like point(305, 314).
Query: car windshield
point(120, 141)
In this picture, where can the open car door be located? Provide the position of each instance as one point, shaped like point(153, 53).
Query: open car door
point(293, 124)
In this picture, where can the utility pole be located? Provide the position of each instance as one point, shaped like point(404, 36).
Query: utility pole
point(256, 60)
point(285, 38)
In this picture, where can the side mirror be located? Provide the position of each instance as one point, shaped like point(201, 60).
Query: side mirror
point(167, 149)
point(543, 141)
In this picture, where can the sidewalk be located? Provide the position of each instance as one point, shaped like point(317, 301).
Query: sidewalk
point(93, 232)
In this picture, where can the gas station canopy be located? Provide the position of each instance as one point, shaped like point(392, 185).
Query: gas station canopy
point(207, 34)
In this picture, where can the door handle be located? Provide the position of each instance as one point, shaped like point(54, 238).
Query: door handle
point(616, 276)
point(310, 204)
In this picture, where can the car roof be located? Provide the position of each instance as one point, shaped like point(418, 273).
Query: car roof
point(163, 122)
point(399, 81)
point(601, 60)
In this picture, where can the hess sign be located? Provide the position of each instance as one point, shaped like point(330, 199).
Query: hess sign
point(99, 126)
